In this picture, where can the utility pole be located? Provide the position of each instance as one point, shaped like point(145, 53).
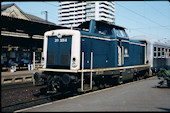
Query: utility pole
point(46, 15)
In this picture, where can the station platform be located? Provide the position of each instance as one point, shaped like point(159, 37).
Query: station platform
point(17, 77)
point(140, 95)
point(18, 73)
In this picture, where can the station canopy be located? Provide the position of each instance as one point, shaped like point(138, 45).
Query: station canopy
point(27, 27)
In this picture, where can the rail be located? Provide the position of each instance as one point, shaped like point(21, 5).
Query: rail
point(25, 104)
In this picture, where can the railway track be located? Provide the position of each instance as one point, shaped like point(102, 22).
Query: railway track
point(25, 104)
point(16, 86)
point(23, 95)
point(18, 93)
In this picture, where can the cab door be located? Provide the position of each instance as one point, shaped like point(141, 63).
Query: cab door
point(120, 54)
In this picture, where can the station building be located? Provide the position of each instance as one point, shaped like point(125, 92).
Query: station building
point(21, 35)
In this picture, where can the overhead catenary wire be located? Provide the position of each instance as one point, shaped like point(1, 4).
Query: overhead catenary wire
point(153, 27)
point(50, 4)
point(131, 19)
point(144, 32)
point(156, 10)
point(139, 29)
point(50, 15)
point(142, 16)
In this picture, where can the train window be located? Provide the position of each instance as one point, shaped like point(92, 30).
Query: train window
point(159, 52)
point(159, 49)
point(104, 30)
point(125, 33)
point(155, 52)
point(154, 49)
point(120, 33)
point(154, 55)
point(163, 52)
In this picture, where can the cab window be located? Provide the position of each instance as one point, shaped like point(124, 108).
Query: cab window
point(104, 30)
point(120, 33)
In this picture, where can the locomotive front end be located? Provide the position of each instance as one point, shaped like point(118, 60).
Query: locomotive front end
point(62, 49)
point(61, 55)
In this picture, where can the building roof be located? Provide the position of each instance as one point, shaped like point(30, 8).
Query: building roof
point(26, 26)
point(5, 6)
point(37, 19)
point(29, 16)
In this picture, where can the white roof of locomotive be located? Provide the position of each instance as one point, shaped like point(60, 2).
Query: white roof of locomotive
point(151, 40)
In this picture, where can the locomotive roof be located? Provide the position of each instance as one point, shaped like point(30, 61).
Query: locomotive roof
point(87, 23)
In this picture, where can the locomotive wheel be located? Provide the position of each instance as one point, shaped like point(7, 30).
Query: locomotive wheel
point(101, 86)
point(119, 80)
point(106, 85)
point(139, 75)
point(49, 80)
point(49, 83)
point(66, 79)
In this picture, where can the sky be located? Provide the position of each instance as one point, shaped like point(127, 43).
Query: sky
point(149, 18)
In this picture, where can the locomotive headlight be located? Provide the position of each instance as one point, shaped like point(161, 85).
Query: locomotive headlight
point(74, 63)
point(59, 35)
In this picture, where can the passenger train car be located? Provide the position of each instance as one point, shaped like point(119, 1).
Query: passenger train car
point(158, 52)
point(94, 54)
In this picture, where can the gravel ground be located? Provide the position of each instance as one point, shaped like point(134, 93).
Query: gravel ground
point(13, 96)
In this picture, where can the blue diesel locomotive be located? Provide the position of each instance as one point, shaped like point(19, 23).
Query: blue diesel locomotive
point(95, 54)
